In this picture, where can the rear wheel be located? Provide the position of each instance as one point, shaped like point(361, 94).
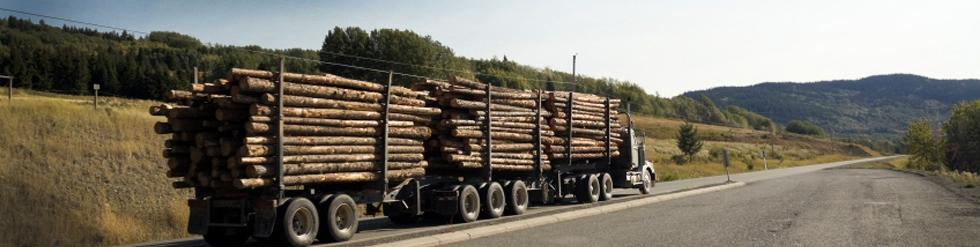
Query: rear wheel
point(587, 189)
point(226, 236)
point(607, 187)
point(469, 204)
point(494, 200)
point(517, 198)
point(339, 215)
point(298, 224)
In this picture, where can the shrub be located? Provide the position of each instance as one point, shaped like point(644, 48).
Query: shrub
point(804, 128)
point(920, 144)
point(962, 132)
point(679, 159)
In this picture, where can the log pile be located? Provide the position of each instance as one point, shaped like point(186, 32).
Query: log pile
point(458, 142)
point(224, 134)
point(588, 117)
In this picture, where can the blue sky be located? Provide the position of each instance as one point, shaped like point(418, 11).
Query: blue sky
point(668, 47)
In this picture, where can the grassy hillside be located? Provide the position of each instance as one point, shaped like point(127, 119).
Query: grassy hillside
point(744, 147)
point(75, 176)
point(873, 108)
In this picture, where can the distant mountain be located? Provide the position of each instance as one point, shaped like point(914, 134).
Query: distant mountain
point(876, 107)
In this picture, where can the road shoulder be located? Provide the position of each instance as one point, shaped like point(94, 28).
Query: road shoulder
point(972, 194)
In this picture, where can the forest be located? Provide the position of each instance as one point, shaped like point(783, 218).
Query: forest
point(69, 59)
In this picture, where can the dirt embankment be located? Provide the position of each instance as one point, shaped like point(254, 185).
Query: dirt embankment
point(75, 176)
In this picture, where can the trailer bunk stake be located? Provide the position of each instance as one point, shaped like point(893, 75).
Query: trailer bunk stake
point(383, 169)
point(488, 139)
point(280, 79)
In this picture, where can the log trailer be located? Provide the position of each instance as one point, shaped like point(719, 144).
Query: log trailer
point(298, 215)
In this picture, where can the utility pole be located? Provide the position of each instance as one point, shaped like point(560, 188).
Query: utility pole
point(573, 74)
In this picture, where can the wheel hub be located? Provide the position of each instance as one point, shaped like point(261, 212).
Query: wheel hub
point(471, 202)
point(498, 199)
point(302, 221)
point(521, 197)
point(342, 219)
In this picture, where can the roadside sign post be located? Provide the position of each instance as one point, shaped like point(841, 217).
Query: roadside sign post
point(724, 162)
point(10, 87)
point(765, 163)
point(95, 100)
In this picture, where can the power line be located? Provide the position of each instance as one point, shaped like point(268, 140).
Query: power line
point(437, 68)
point(337, 64)
point(72, 21)
point(308, 59)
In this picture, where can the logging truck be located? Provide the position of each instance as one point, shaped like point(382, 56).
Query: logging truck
point(290, 159)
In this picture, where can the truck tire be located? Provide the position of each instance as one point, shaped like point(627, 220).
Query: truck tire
point(297, 224)
point(469, 204)
point(339, 215)
point(587, 189)
point(494, 200)
point(397, 214)
point(648, 182)
point(606, 183)
point(226, 236)
point(517, 198)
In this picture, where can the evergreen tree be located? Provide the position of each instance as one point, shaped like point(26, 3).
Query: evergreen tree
point(688, 140)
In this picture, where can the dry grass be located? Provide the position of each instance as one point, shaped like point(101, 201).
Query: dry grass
point(900, 163)
point(75, 176)
point(966, 179)
point(744, 147)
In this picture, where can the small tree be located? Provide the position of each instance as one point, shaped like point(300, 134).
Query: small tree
point(962, 131)
point(920, 144)
point(688, 140)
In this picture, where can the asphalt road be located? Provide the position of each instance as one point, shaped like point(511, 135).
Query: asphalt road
point(832, 207)
point(377, 230)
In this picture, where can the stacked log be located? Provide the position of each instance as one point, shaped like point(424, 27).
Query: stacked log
point(591, 121)
point(459, 142)
point(225, 135)
point(459, 135)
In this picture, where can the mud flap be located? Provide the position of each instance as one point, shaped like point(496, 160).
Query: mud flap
point(407, 198)
point(265, 218)
point(446, 201)
point(541, 196)
point(200, 215)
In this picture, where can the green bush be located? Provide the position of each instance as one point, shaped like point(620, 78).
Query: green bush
point(922, 146)
point(679, 159)
point(962, 150)
point(804, 128)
